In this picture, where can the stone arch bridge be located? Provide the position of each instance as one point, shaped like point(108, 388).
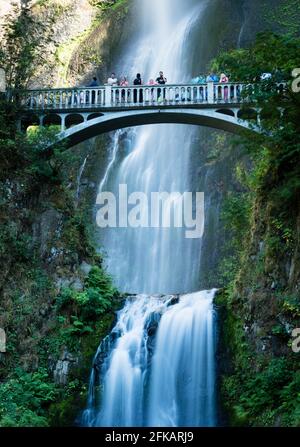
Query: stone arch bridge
point(83, 113)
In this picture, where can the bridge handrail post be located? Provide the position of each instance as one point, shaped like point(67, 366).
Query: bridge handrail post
point(108, 95)
point(210, 93)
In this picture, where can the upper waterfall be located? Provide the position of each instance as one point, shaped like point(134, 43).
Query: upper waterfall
point(156, 260)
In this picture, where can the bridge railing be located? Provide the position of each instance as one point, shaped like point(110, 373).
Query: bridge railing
point(146, 95)
point(63, 98)
point(176, 94)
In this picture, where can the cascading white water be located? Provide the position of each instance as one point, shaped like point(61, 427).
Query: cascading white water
point(163, 380)
point(151, 260)
point(160, 369)
point(183, 375)
point(123, 400)
point(81, 170)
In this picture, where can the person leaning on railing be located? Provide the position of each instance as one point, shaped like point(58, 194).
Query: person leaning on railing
point(112, 80)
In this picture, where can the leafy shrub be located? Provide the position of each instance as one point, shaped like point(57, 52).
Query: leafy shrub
point(64, 298)
point(262, 396)
point(94, 301)
point(291, 305)
point(24, 399)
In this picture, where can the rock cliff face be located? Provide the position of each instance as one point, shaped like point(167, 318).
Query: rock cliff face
point(73, 19)
point(83, 35)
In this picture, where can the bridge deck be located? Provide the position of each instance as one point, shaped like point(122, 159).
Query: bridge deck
point(90, 109)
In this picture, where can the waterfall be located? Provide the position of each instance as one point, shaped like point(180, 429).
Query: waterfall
point(159, 161)
point(158, 366)
point(112, 161)
point(182, 382)
point(241, 33)
point(178, 340)
point(80, 173)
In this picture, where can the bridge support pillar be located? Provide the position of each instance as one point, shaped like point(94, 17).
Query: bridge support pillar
point(210, 93)
point(63, 122)
point(108, 95)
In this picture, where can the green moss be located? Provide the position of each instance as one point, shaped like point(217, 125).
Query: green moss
point(260, 303)
point(108, 5)
point(89, 53)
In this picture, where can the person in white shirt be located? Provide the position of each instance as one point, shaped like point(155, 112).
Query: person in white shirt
point(112, 80)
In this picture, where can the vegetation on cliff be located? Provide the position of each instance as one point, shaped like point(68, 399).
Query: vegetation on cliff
point(260, 303)
point(57, 302)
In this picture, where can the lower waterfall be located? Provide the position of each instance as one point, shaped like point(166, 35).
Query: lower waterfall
point(157, 366)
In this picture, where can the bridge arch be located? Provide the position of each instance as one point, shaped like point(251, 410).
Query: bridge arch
point(228, 112)
point(52, 119)
point(119, 120)
point(31, 119)
point(73, 119)
point(92, 116)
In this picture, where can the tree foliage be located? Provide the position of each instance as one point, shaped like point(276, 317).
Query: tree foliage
point(264, 386)
point(24, 398)
point(271, 52)
point(22, 51)
point(277, 151)
point(23, 47)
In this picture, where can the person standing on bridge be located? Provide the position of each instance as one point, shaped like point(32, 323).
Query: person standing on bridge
point(224, 80)
point(162, 80)
point(94, 83)
point(138, 81)
point(210, 77)
point(124, 83)
point(112, 80)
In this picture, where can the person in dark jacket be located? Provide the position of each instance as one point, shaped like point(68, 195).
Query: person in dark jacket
point(162, 80)
point(137, 81)
point(94, 83)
